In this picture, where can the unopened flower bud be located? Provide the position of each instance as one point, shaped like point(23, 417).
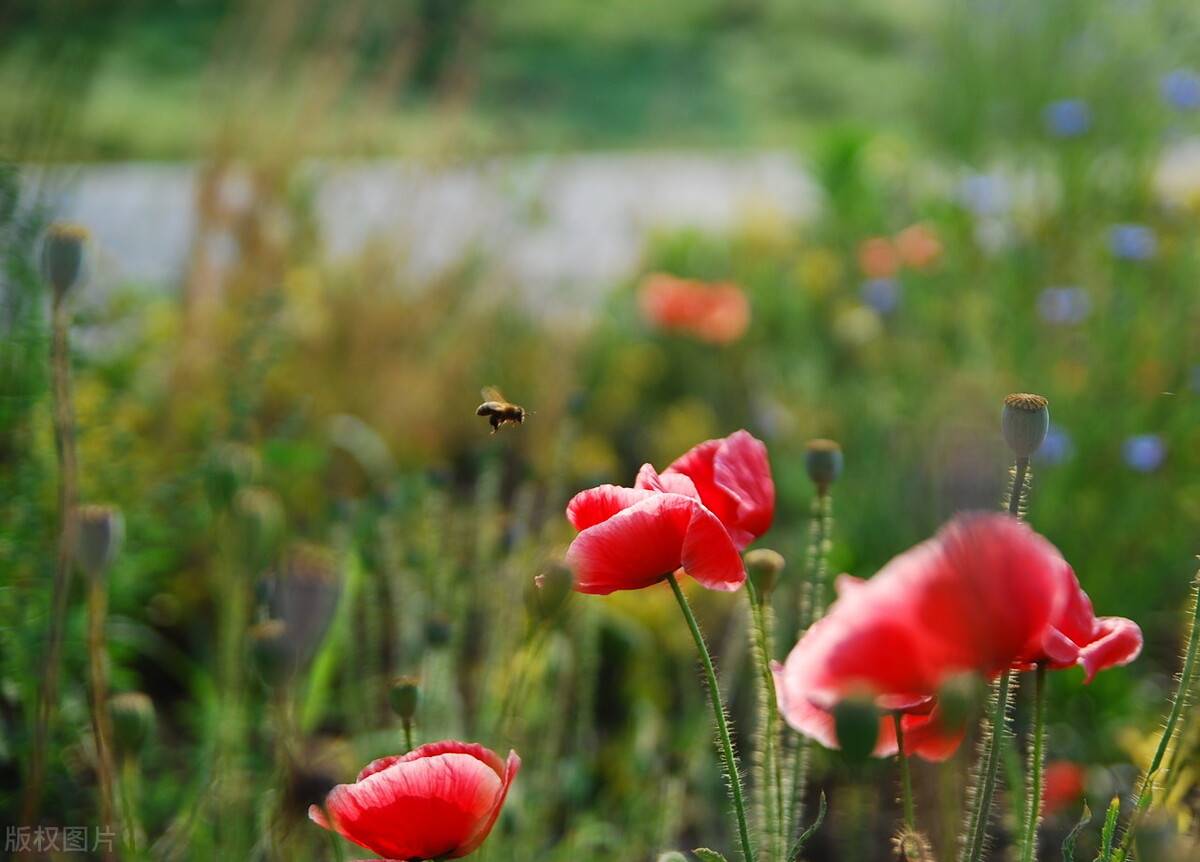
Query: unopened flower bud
point(764, 566)
point(550, 590)
point(404, 696)
point(856, 721)
point(438, 631)
point(1024, 422)
point(260, 523)
point(823, 460)
point(132, 716)
point(959, 700)
point(671, 856)
point(62, 257)
point(230, 467)
point(100, 531)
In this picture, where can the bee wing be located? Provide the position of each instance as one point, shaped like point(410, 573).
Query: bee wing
point(492, 393)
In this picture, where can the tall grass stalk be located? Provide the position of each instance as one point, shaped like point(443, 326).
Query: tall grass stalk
point(1145, 794)
point(68, 495)
point(724, 740)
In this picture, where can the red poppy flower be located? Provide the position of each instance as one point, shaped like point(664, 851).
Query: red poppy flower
point(878, 258)
point(1062, 784)
point(718, 313)
point(1076, 636)
point(439, 801)
point(631, 538)
point(732, 477)
point(919, 246)
point(975, 598)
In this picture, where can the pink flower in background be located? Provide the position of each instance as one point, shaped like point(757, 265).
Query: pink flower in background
point(439, 801)
point(919, 246)
point(878, 257)
point(717, 313)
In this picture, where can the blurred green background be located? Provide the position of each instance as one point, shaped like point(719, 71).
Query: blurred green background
point(1046, 153)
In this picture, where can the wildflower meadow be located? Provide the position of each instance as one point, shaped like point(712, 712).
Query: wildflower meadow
point(714, 431)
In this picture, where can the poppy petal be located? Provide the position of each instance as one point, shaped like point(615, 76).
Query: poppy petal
point(423, 808)
point(1118, 642)
point(596, 505)
point(642, 544)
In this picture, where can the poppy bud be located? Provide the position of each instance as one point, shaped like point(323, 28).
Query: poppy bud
point(1024, 422)
point(404, 696)
point(132, 716)
point(230, 466)
point(303, 591)
point(100, 531)
point(856, 721)
point(959, 699)
point(823, 461)
point(62, 257)
point(437, 631)
point(764, 566)
point(549, 591)
point(260, 523)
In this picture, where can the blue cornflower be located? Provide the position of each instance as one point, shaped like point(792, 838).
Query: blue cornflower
point(1064, 305)
point(1144, 452)
point(1068, 118)
point(1181, 90)
point(882, 294)
point(1056, 448)
point(1132, 241)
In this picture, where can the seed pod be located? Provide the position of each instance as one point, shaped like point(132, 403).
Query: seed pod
point(764, 567)
point(302, 592)
point(856, 721)
point(62, 257)
point(404, 696)
point(100, 533)
point(133, 720)
point(823, 460)
point(1024, 422)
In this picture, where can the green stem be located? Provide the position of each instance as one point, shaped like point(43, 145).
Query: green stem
point(98, 678)
point(726, 743)
point(1016, 497)
point(769, 784)
point(1033, 801)
point(1145, 793)
point(906, 794)
point(68, 484)
point(990, 766)
point(408, 743)
point(812, 607)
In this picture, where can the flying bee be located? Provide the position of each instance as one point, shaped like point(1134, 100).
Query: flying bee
point(499, 409)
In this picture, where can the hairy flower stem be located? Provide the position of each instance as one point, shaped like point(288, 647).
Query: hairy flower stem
point(722, 724)
point(770, 816)
point(1145, 794)
point(68, 484)
point(812, 608)
point(976, 833)
point(1020, 487)
point(1037, 757)
point(906, 794)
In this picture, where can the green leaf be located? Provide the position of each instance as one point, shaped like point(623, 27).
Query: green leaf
point(706, 855)
point(1109, 830)
point(1068, 845)
point(798, 847)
